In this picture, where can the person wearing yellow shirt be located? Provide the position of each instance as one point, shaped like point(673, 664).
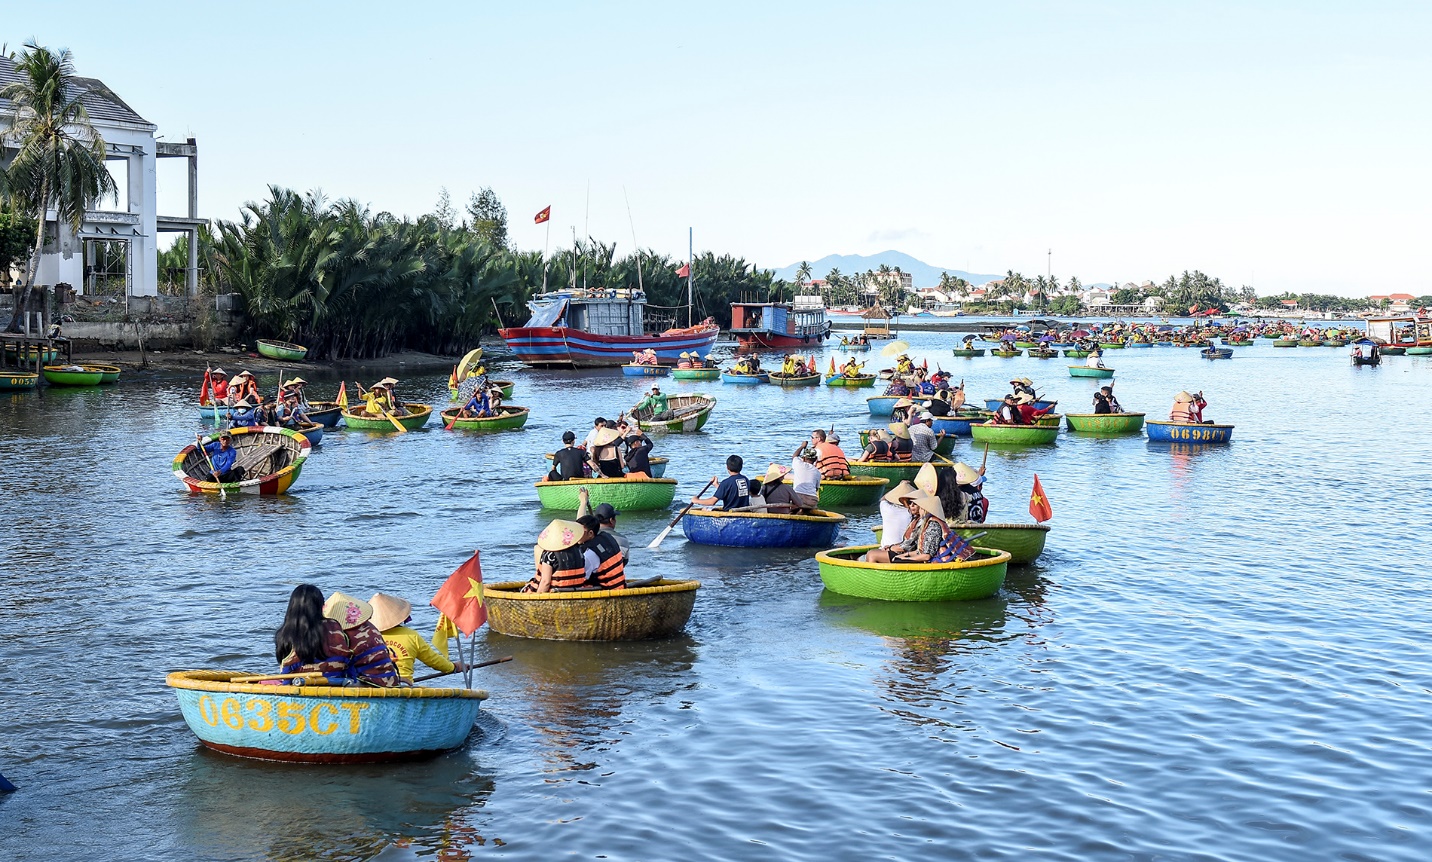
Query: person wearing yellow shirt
point(405, 645)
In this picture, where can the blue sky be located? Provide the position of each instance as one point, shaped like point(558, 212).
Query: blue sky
point(1280, 144)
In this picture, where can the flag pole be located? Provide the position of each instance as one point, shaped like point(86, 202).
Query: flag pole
point(471, 658)
point(690, 272)
point(546, 243)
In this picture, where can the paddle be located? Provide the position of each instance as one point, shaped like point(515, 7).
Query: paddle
point(5, 786)
point(674, 521)
point(469, 667)
point(199, 442)
point(312, 674)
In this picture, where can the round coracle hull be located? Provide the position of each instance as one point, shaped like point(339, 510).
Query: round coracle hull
point(1285, 342)
point(1023, 542)
point(418, 415)
point(854, 348)
point(258, 449)
point(1015, 435)
point(1112, 345)
point(1419, 351)
point(56, 375)
point(689, 414)
point(633, 370)
point(325, 413)
point(979, 577)
point(1086, 371)
point(512, 417)
point(882, 405)
point(959, 426)
point(857, 491)
point(18, 380)
point(1392, 351)
point(761, 529)
point(282, 350)
point(1027, 345)
point(859, 381)
point(658, 464)
point(992, 404)
point(323, 723)
point(312, 432)
point(744, 379)
point(108, 373)
point(639, 613)
point(1182, 432)
point(893, 471)
point(631, 495)
point(973, 351)
point(697, 374)
point(780, 379)
point(206, 412)
point(1105, 423)
point(1006, 354)
point(1075, 354)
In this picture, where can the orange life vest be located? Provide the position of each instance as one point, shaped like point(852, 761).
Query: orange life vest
point(568, 569)
point(831, 461)
point(611, 568)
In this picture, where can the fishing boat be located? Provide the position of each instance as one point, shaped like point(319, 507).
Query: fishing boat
point(109, 373)
point(1285, 342)
point(958, 425)
point(685, 414)
point(312, 432)
point(625, 495)
point(1006, 353)
point(739, 529)
point(510, 418)
point(968, 354)
point(856, 381)
point(635, 369)
point(742, 379)
point(798, 323)
point(285, 351)
point(273, 456)
point(1015, 435)
point(1105, 423)
point(18, 379)
point(780, 378)
point(658, 465)
point(416, 417)
point(696, 374)
point(598, 328)
point(325, 413)
point(882, 405)
point(1184, 432)
point(320, 723)
point(893, 471)
point(857, 491)
point(993, 404)
point(842, 571)
point(660, 610)
point(71, 375)
point(1023, 542)
point(1086, 371)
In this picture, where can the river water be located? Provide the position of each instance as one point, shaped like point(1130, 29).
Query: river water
point(1223, 654)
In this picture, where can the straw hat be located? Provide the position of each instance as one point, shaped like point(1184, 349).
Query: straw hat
point(832, 437)
point(560, 535)
point(932, 505)
point(1024, 398)
point(967, 475)
point(389, 611)
point(684, 355)
point(347, 611)
point(927, 480)
point(606, 437)
point(1026, 381)
point(901, 430)
point(387, 381)
point(904, 489)
point(774, 473)
point(242, 402)
point(297, 381)
point(242, 374)
point(1183, 398)
point(219, 372)
point(903, 402)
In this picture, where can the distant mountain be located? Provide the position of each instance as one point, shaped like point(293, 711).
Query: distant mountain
point(924, 274)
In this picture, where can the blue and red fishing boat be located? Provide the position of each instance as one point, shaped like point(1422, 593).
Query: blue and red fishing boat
point(801, 323)
point(600, 328)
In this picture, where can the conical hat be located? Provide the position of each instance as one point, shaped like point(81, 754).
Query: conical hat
point(606, 437)
point(389, 611)
point(965, 474)
point(904, 489)
point(927, 480)
point(901, 430)
point(560, 535)
point(932, 505)
point(774, 473)
point(1183, 398)
point(386, 381)
point(347, 611)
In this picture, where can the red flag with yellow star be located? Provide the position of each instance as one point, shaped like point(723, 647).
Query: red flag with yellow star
point(1038, 503)
point(460, 597)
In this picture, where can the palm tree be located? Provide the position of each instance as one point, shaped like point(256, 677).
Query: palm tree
point(60, 163)
point(803, 274)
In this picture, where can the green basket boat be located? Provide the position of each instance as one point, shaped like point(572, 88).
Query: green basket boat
point(1308, 343)
point(1419, 351)
point(1112, 345)
point(418, 415)
point(110, 372)
point(1392, 351)
point(838, 494)
point(30, 354)
point(1015, 435)
point(857, 382)
point(512, 417)
point(625, 495)
point(968, 354)
point(1105, 423)
point(1043, 354)
point(696, 374)
point(1076, 354)
point(505, 386)
point(1006, 354)
point(71, 375)
point(780, 379)
point(285, 351)
point(893, 471)
point(658, 464)
point(1086, 371)
point(1285, 342)
point(979, 577)
point(1027, 345)
point(1023, 542)
point(944, 445)
point(685, 414)
point(18, 380)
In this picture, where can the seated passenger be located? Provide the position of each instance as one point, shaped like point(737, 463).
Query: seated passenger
point(334, 638)
point(405, 646)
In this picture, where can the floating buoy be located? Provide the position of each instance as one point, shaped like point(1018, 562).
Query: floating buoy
point(5, 786)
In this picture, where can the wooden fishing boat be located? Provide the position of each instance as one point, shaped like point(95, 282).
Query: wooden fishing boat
point(1216, 353)
point(511, 418)
point(633, 369)
point(285, 351)
point(1086, 371)
point(740, 379)
point(780, 378)
point(312, 432)
point(272, 456)
point(109, 373)
point(658, 465)
point(323, 723)
point(1006, 354)
point(858, 381)
point(842, 571)
point(857, 491)
point(1183, 432)
point(1076, 354)
point(1105, 423)
point(882, 405)
point(1112, 345)
point(761, 529)
point(958, 425)
point(1285, 342)
point(685, 414)
point(325, 413)
point(1023, 542)
point(968, 354)
point(71, 375)
point(993, 404)
point(625, 495)
point(660, 610)
point(696, 374)
point(1015, 435)
point(893, 471)
point(18, 379)
point(417, 417)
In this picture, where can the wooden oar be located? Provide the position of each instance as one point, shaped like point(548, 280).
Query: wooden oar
point(674, 521)
point(456, 670)
point(986, 459)
point(311, 674)
point(199, 438)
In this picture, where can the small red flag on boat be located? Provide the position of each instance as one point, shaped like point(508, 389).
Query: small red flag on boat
point(342, 400)
point(460, 597)
point(684, 272)
point(543, 215)
point(207, 390)
point(1038, 503)
point(1193, 308)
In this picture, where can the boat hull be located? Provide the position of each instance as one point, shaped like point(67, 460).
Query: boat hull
point(893, 471)
point(882, 405)
point(1006, 354)
point(512, 418)
point(696, 374)
point(968, 354)
point(1217, 353)
point(1076, 354)
point(959, 426)
point(189, 464)
point(1111, 424)
point(658, 465)
point(18, 380)
point(992, 404)
point(744, 379)
point(56, 376)
point(855, 492)
point(284, 351)
point(324, 414)
point(418, 416)
point(108, 373)
point(979, 577)
point(1023, 542)
point(638, 613)
point(630, 495)
point(860, 381)
point(1085, 371)
point(312, 432)
point(761, 529)
point(631, 370)
point(1181, 432)
point(1015, 435)
point(564, 347)
point(791, 382)
point(688, 415)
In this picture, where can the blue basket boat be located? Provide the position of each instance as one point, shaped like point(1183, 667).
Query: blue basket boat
point(745, 379)
point(761, 529)
point(325, 413)
point(882, 405)
point(322, 723)
point(206, 413)
point(635, 370)
point(958, 426)
point(1184, 432)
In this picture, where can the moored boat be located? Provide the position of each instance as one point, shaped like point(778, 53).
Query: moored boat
point(1392, 351)
point(740, 378)
point(696, 374)
point(1183, 432)
point(780, 378)
point(1086, 371)
point(109, 373)
point(1105, 423)
point(18, 379)
point(1015, 435)
point(321, 723)
point(285, 351)
point(625, 495)
point(1419, 351)
point(635, 613)
point(71, 375)
point(685, 414)
point(981, 576)
point(510, 418)
point(761, 529)
point(893, 471)
point(272, 456)
point(416, 417)
point(857, 381)
point(634, 369)
point(658, 465)
point(799, 323)
point(599, 328)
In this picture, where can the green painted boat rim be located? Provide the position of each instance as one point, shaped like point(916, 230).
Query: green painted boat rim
point(839, 558)
point(57, 375)
point(418, 415)
point(804, 380)
point(512, 417)
point(275, 349)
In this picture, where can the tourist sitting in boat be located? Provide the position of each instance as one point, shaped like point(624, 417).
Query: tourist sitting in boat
point(591, 439)
point(895, 515)
point(805, 478)
point(897, 386)
point(221, 456)
point(644, 357)
point(568, 463)
point(1105, 397)
point(970, 482)
point(561, 565)
point(1095, 358)
point(776, 493)
point(243, 387)
point(684, 360)
point(830, 458)
point(939, 406)
point(378, 401)
point(878, 449)
point(904, 365)
point(921, 386)
point(603, 558)
point(494, 400)
point(733, 492)
point(406, 647)
point(657, 403)
point(844, 342)
point(638, 454)
point(1027, 411)
point(851, 368)
point(790, 366)
point(219, 386)
point(901, 449)
point(969, 342)
point(923, 438)
point(243, 415)
point(606, 517)
point(291, 413)
point(922, 539)
point(479, 406)
point(605, 457)
point(1023, 385)
point(295, 386)
point(1187, 408)
point(335, 638)
point(1008, 413)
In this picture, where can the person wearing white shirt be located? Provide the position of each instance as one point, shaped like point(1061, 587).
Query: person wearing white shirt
point(805, 477)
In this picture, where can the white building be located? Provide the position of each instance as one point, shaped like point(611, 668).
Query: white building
point(116, 249)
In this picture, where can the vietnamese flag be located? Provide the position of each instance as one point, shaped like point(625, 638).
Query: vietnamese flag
point(1038, 503)
point(684, 272)
point(543, 215)
point(460, 597)
point(206, 390)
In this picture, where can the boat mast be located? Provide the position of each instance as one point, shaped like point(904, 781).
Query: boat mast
point(639, 285)
point(690, 273)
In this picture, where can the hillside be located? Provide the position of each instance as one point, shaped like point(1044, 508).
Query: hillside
point(924, 274)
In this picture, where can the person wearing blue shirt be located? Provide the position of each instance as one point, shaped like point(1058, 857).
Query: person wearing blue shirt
point(243, 415)
point(734, 492)
point(221, 457)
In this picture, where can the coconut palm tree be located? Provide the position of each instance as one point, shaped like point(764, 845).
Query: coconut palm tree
point(803, 274)
point(60, 162)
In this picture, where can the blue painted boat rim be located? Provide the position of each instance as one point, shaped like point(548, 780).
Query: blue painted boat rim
point(821, 516)
point(218, 681)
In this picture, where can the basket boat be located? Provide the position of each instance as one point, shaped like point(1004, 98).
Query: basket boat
point(285, 351)
point(1392, 351)
point(686, 413)
point(882, 405)
point(512, 417)
point(1183, 432)
point(18, 379)
point(1076, 354)
point(1023, 542)
point(506, 386)
point(30, 354)
point(696, 374)
point(1043, 354)
point(1307, 342)
point(854, 348)
point(1112, 345)
point(1086, 371)
point(638, 613)
point(1285, 342)
point(312, 432)
point(632, 369)
point(858, 381)
point(855, 492)
point(1240, 342)
point(972, 352)
point(1419, 351)
point(625, 495)
point(207, 411)
point(110, 373)
point(744, 379)
point(958, 425)
point(1006, 354)
point(658, 465)
point(992, 404)
point(1216, 353)
point(943, 446)
point(1367, 360)
point(893, 471)
point(1105, 423)
point(1027, 345)
point(1334, 342)
point(273, 456)
point(325, 413)
point(780, 378)
point(979, 577)
point(418, 415)
point(1133, 344)
point(761, 529)
point(322, 723)
point(1015, 435)
point(63, 375)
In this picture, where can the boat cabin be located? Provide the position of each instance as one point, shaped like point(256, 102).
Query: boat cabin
point(597, 311)
point(1400, 331)
point(780, 324)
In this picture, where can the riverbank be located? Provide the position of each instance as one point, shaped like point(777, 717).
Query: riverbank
point(193, 362)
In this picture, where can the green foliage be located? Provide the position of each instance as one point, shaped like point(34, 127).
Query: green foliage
point(1066, 305)
point(1127, 296)
point(489, 218)
point(17, 237)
